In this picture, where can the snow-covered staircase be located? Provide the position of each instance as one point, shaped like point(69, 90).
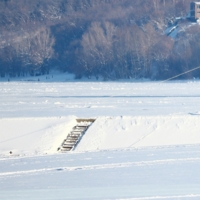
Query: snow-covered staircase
point(74, 137)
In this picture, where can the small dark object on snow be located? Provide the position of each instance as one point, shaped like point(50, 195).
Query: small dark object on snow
point(10, 152)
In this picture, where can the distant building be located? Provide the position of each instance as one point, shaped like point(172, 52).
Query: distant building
point(195, 10)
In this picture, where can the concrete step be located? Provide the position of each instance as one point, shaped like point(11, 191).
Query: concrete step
point(70, 142)
point(66, 149)
point(81, 127)
point(67, 145)
point(77, 132)
point(75, 135)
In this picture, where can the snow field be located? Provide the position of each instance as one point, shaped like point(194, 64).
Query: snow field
point(147, 173)
point(140, 131)
point(145, 143)
point(93, 99)
point(32, 136)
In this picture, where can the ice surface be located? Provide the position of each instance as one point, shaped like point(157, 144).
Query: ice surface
point(93, 99)
point(145, 143)
point(150, 173)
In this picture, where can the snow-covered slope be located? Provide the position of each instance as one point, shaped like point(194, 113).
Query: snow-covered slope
point(179, 27)
point(36, 117)
point(130, 132)
point(32, 136)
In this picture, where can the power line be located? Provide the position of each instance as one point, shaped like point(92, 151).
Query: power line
point(181, 74)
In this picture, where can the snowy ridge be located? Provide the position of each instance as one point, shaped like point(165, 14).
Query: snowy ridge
point(45, 135)
point(140, 131)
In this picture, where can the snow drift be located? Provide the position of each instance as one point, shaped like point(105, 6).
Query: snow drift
point(127, 132)
point(28, 136)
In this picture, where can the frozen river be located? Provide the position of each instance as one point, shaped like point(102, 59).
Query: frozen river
point(145, 174)
point(91, 99)
point(145, 143)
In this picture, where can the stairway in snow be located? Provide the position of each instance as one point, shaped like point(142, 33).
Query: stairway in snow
point(76, 134)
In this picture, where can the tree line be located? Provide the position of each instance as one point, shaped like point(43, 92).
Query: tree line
point(108, 38)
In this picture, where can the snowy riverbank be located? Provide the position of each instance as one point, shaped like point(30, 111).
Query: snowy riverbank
point(144, 144)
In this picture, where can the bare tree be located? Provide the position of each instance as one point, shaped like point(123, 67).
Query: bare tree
point(97, 46)
point(41, 47)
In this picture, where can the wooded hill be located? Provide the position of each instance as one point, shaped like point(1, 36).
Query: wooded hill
point(110, 38)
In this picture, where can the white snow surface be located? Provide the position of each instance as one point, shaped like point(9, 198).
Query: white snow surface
point(127, 132)
point(144, 144)
point(181, 27)
point(29, 136)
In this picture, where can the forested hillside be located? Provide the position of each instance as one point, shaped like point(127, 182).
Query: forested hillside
point(109, 38)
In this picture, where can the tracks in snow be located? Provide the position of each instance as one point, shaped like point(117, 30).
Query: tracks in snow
point(100, 166)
